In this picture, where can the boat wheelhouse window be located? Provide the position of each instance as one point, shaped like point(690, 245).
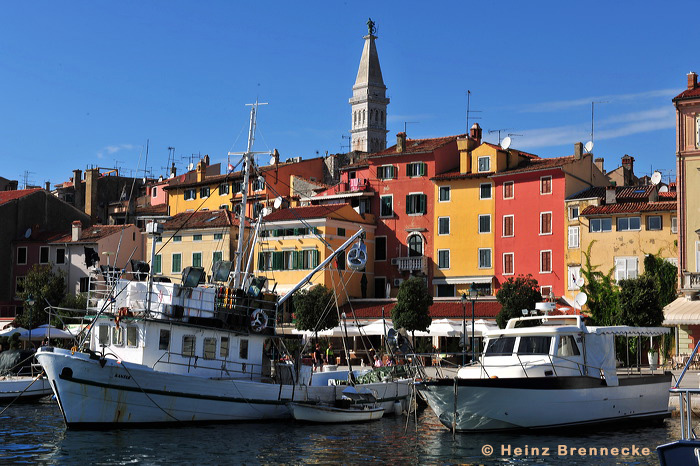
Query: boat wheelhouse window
point(164, 340)
point(188, 345)
point(132, 337)
point(243, 349)
point(103, 334)
point(210, 348)
point(567, 346)
point(534, 345)
point(502, 346)
point(223, 347)
point(117, 336)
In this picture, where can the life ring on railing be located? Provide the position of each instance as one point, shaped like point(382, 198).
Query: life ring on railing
point(357, 257)
point(258, 320)
point(121, 313)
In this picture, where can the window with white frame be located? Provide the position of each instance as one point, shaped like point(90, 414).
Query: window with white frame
point(545, 290)
point(546, 185)
point(485, 223)
point(629, 223)
point(386, 172)
point(164, 339)
point(416, 204)
point(674, 224)
point(443, 225)
point(444, 194)
point(626, 267)
point(415, 245)
point(416, 169)
point(117, 336)
point(508, 263)
point(485, 258)
point(210, 348)
point(154, 192)
point(189, 343)
point(573, 212)
point(223, 189)
point(484, 164)
point(546, 261)
point(204, 192)
point(508, 190)
point(654, 222)
point(600, 225)
point(574, 273)
point(508, 225)
point(44, 255)
point(259, 183)
point(223, 347)
point(574, 237)
point(132, 336)
point(190, 194)
point(545, 223)
point(443, 258)
point(386, 206)
point(485, 191)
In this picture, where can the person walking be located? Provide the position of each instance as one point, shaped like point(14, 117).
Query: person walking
point(330, 355)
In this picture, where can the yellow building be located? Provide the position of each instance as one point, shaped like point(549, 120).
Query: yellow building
point(625, 224)
point(464, 213)
point(194, 239)
point(296, 240)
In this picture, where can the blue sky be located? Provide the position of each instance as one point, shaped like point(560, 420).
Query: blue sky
point(88, 83)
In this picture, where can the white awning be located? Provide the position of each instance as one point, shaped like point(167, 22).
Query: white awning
point(682, 312)
point(464, 280)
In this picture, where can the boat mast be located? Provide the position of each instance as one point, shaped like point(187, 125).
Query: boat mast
point(248, 161)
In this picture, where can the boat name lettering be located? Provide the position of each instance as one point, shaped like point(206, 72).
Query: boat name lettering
point(122, 376)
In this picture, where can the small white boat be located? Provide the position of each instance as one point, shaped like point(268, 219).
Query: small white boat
point(355, 406)
point(19, 378)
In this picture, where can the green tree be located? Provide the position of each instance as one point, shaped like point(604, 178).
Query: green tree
point(603, 304)
point(665, 277)
point(412, 310)
point(515, 295)
point(639, 303)
point(314, 309)
point(41, 286)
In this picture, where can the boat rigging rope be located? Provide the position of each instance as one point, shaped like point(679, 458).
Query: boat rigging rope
point(22, 392)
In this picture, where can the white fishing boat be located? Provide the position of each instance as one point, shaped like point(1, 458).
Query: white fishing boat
point(168, 353)
point(355, 406)
point(20, 380)
point(548, 372)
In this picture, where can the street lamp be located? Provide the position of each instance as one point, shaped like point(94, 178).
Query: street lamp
point(473, 292)
point(30, 302)
point(463, 300)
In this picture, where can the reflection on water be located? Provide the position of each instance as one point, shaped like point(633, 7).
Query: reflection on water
point(34, 433)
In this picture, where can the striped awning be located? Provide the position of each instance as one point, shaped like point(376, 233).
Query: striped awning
point(682, 311)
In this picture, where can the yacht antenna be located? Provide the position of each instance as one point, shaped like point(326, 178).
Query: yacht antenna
point(248, 158)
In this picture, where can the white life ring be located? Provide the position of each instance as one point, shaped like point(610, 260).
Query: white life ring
point(258, 320)
point(357, 257)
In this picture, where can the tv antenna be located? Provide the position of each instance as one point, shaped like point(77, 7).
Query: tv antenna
point(408, 122)
point(469, 94)
point(348, 145)
point(499, 131)
point(592, 113)
point(25, 178)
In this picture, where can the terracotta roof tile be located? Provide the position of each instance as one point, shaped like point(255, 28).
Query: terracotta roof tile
point(7, 196)
point(668, 195)
point(202, 219)
point(538, 164)
point(484, 308)
point(457, 175)
point(418, 146)
point(91, 234)
point(688, 94)
point(629, 207)
point(152, 210)
point(295, 213)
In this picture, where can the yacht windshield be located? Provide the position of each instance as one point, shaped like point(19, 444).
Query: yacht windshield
point(502, 346)
point(534, 345)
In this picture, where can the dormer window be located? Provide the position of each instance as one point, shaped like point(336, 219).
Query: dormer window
point(484, 164)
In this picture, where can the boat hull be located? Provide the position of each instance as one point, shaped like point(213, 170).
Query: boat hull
point(23, 388)
point(331, 415)
point(93, 391)
point(544, 402)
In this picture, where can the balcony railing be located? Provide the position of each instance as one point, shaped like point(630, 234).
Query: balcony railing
point(691, 281)
point(409, 263)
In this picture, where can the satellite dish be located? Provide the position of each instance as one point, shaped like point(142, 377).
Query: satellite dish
point(581, 299)
point(505, 144)
point(588, 146)
point(656, 178)
point(278, 203)
point(28, 233)
point(266, 211)
point(580, 281)
point(272, 161)
point(663, 189)
point(525, 312)
point(190, 167)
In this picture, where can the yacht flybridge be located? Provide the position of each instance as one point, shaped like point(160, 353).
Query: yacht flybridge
point(546, 372)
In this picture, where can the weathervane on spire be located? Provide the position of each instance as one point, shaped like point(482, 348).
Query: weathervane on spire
point(370, 27)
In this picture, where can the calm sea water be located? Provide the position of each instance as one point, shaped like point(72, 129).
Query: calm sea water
point(35, 434)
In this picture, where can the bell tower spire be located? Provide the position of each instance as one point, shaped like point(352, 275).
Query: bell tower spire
point(369, 101)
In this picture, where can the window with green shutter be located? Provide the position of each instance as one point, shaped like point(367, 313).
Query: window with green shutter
point(196, 259)
point(157, 264)
point(416, 204)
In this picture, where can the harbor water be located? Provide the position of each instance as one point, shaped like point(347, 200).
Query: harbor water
point(35, 434)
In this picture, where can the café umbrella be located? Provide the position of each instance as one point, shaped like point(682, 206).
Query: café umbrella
point(45, 331)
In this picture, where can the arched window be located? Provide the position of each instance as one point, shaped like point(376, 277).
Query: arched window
point(415, 246)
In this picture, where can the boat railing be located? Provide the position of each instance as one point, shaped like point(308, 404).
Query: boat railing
point(546, 361)
point(685, 408)
point(226, 369)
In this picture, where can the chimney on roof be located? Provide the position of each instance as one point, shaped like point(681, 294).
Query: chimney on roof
point(599, 163)
point(78, 200)
point(76, 230)
point(91, 178)
point(401, 142)
point(276, 156)
point(201, 171)
point(692, 80)
point(578, 150)
point(475, 133)
point(206, 160)
point(173, 170)
point(628, 162)
point(12, 185)
point(47, 186)
point(610, 195)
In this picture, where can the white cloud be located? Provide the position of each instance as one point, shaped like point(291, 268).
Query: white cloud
point(110, 150)
point(586, 101)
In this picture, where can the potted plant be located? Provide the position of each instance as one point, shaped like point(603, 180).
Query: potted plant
point(653, 356)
